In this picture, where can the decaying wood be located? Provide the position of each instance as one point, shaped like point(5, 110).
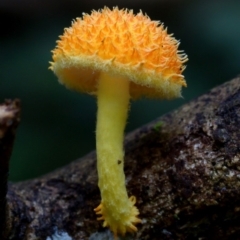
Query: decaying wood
point(9, 119)
point(184, 169)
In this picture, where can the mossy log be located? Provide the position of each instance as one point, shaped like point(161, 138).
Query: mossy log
point(184, 169)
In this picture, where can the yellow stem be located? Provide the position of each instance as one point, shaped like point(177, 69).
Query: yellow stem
point(113, 102)
point(118, 211)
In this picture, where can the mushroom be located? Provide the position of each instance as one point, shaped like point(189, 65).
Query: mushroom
point(117, 56)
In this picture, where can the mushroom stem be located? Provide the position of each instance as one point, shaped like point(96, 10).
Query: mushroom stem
point(113, 101)
point(117, 210)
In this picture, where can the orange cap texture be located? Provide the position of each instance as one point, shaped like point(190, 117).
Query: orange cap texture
point(120, 43)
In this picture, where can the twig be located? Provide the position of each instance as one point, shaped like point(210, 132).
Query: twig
point(9, 119)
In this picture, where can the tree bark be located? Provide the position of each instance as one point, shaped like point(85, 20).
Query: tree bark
point(184, 169)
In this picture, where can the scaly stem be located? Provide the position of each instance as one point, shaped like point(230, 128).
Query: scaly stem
point(116, 208)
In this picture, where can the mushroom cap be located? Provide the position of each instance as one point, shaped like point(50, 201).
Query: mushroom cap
point(120, 43)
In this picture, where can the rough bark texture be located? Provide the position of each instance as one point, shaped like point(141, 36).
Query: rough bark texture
point(9, 119)
point(184, 169)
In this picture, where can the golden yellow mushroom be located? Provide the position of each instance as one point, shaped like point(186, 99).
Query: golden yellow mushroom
point(116, 55)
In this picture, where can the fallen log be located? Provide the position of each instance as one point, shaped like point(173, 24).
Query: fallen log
point(184, 169)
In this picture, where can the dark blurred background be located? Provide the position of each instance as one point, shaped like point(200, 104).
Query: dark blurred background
point(57, 125)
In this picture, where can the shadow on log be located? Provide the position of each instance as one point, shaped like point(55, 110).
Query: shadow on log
point(184, 169)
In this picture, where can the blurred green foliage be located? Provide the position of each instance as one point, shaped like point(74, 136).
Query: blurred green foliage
point(58, 125)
